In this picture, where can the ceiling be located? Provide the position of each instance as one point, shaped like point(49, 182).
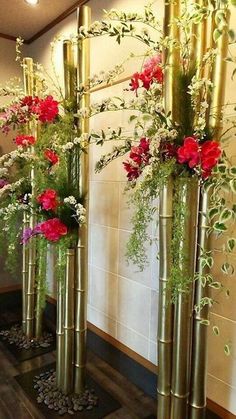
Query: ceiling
point(17, 18)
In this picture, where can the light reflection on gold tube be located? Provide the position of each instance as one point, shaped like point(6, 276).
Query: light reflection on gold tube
point(68, 327)
point(84, 19)
point(200, 331)
point(28, 71)
point(219, 80)
point(60, 330)
point(164, 334)
point(25, 271)
point(187, 193)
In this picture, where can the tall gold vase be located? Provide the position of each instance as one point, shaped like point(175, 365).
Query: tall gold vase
point(197, 400)
point(68, 327)
point(165, 308)
point(25, 271)
point(60, 327)
point(81, 281)
point(30, 291)
point(199, 344)
point(187, 191)
point(164, 338)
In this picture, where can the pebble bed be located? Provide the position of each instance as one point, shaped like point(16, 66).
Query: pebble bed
point(54, 399)
point(15, 336)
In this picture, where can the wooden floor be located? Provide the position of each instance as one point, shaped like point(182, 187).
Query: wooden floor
point(14, 404)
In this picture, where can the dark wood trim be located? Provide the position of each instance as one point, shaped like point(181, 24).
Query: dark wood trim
point(54, 22)
point(219, 410)
point(213, 406)
point(9, 37)
point(10, 288)
point(114, 342)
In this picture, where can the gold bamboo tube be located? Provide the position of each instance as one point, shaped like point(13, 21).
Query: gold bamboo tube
point(39, 293)
point(69, 70)
point(199, 42)
point(171, 57)
point(25, 270)
point(164, 334)
point(84, 19)
point(187, 192)
point(30, 292)
point(60, 330)
point(68, 327)
point(197, 400)
point(219, 80)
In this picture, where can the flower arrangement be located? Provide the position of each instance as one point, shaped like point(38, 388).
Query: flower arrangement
point(183, 145)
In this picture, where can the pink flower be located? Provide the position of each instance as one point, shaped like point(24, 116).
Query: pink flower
point(48, 200)
point(53, 229)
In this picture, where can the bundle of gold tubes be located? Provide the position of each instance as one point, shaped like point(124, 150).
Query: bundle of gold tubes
point(182, 337)
point(72, 294)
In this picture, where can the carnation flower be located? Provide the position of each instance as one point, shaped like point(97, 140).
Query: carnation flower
point(51, 156)
point(210, 154)
point(48, 200)
point(47, 109)
point(53, 229)
point(24, 140)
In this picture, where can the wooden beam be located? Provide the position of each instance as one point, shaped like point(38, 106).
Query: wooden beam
point(9, 37)
point(54, 22)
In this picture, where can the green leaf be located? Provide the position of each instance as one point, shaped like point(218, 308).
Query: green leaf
point(216, 285)
point(219, 226)
point(213, 212)
point(205, 322)
point(233, 185)
point(227, 268)
point(227, 350)
point(233, 170)
point(217, 34)
point(225, 215)
point(216, 330)
point(132, 118)
point(231, 244)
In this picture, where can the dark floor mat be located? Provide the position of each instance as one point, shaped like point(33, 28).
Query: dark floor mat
point(106, 405)
point(24, 354)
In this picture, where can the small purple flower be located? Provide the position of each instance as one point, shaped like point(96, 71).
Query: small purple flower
point(3, 182)
point(27, 234)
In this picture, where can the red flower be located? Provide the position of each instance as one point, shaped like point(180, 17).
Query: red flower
point(53, 229)
point(139, 157)
point(189, 152)
point(210, 154)
point(51, 156)
point(205, 155)
point(48, 200)
point(133, 172)
point(24, 140)
point(152, 72)
point(168, 150)
point(47, 109)
point(135, 82)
